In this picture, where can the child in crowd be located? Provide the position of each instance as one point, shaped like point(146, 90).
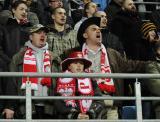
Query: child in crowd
point(83, 108)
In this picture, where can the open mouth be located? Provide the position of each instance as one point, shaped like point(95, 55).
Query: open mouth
point(42, 40)
point(63, 20)
point(79, 70)
point(98, 36)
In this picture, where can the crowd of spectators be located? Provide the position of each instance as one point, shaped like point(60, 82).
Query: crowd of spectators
point(98, 36)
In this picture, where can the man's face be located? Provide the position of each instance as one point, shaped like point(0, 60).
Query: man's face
point(103, 17)
point(92, 8)
point(20, 12)
point(55, 3)
point(60, 16)
point(158, 52)
point(152, 36)
point(129, 5)
point(76, 66)
point(28, 2)
point(93, 35)
point(38, 38)
point(86, 1)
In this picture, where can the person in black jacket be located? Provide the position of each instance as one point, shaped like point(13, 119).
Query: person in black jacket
point(126, 25)
point(15, 33)
point(77, 109)
point(3, 67)
point(109, 39)
point(112, 9)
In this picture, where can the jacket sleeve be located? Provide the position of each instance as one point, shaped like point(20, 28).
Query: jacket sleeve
point(129, 66)
point(153, 85)
point(12, 82)
point(97, 91)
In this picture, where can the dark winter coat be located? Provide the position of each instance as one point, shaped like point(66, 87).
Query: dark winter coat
point(14, 83)
point(119, 64)
point(14, 37)
point(126, 25)
point(111, 10)
point(110, 40)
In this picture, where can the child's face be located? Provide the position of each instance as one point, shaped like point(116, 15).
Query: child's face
point(76, 66)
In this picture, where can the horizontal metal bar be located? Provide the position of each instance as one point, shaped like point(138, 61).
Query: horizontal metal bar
point(78, 97)
point(12, 120)
point(66, 98)
point(150, 98)
point(147, 12)
point(80, 75)
point(59, 120)
point(152, 3)
point(85, 121)
point(62, 120)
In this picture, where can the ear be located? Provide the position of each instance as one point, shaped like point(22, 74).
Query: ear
point(85, 35)
point(30, 37)
point(69, 67)
point(87, 10)
point(49, 4)
point(13, 10)
point(52, 16)
point(123, 8)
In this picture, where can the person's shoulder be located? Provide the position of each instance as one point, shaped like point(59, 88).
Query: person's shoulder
point(110, 50)
point(18, 57)
point(22, 51)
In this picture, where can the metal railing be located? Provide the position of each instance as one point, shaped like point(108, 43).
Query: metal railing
point(29, 98)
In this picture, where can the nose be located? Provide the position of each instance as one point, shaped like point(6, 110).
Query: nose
point(79, 64)
point(98, 30)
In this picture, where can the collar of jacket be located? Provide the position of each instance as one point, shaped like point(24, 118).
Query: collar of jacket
point(48, 9)
point(67, 28)
point(13, 21)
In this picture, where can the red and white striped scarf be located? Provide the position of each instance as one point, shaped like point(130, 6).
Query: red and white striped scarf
point(69, 87)
point(29, 65)
point(105, 84)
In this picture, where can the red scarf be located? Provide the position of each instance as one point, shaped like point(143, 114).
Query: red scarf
point(29, 65)
point(67, 87)
point(105, 84)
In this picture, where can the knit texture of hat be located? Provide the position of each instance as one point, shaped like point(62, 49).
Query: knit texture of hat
point(146, 27)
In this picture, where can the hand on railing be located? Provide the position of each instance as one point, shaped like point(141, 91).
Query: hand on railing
point(8, 113)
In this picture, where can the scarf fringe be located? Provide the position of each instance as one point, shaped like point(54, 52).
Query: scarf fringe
point(34, 86)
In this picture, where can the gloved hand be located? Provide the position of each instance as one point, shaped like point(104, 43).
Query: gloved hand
point(73, 114)
point(92, 114)
point(95, 110)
